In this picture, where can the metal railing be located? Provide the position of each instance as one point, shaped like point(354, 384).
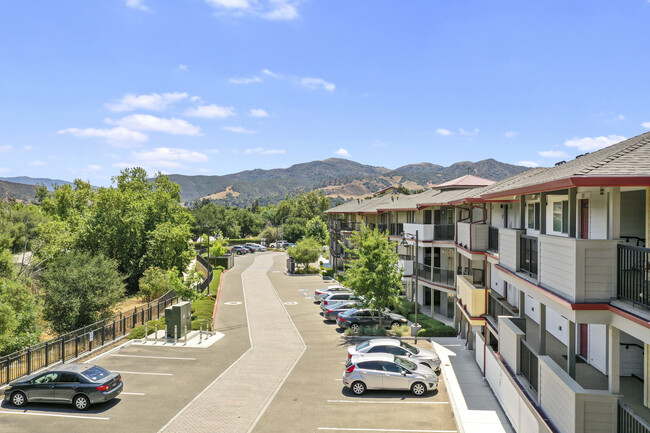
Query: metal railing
point(478, 275)
point(444, 232)
point(528, 255)
point(633, 274)
point(493, 239)
point(498, 306)
point(441, 276)
point(396, 229)
point(529, 363)
point(73, 344)
point(205, 284)
point(629, 421)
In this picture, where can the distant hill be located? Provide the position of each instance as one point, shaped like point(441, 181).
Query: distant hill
point(18, 191)
point(337, 178)
point(36, 181)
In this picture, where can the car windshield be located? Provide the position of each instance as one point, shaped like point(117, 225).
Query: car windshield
point(95, 373)
point(409, 347)
point(404, 363)
point(350, 312)
point(362, 345)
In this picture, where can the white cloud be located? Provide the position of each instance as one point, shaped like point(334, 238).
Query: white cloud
point(266, 9)
point(212, 151)
point(167, 157)
point(646, 124)
point(589, 144)
point(117, 136)
point(28, 148)
point(269, 73)
point(211, 111)
point(342, 152)
point(36, 163)
point(443, 131)
point(473, 133)
point(378, 143)
point(94, 167)
point(510, 134)
point(6, 148)
point(258, 112)
point(153, 102)
point(317, 83)
point(621, 117)
point(245, 80)
point(238, 129)
point(553, 154)
point(528, 163)
point(137, 4)
point(182, 68)
point(147, 122)
point(263, 151)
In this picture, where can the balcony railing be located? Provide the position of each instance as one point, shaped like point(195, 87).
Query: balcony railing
point(493, 239)
point(528, 366)
point(382, 227)
point(444, 232)
point(471, 296)
point(396, 229)
point(633, 273)
point(478, 275)
point(528, 255)
point(441, 276)
point(629, 421)
point(498, 306)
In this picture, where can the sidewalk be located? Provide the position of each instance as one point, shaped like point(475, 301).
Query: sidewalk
point(475, 406)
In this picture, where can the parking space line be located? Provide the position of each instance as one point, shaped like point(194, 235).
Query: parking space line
point(60, 415)
point(387, 430)
point(143, 372)
point(132, 393)
point(153, 357)
point(387, 402)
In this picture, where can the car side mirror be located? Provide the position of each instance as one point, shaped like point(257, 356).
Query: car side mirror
point(403, 373)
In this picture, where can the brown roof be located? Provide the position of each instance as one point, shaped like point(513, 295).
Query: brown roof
point(464, 182)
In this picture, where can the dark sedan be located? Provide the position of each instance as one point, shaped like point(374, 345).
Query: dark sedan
point(78, 384)
point(355, 319)
point(333, 311)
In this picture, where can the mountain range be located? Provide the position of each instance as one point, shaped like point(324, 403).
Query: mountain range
point(340, 179)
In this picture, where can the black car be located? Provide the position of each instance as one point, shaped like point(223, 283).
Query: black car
point(355, 318)
point(78, 384)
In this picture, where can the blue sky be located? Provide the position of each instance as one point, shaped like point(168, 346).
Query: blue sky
point(219, 86)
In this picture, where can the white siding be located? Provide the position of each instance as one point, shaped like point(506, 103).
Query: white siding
point(631, 356)
point(597, 347)
point(508, 248)
point(509, 336)
point(556, 398)
point(478, 338)
point(557, 325)
point(480, 233)
point(532, 308)
point(496, 282)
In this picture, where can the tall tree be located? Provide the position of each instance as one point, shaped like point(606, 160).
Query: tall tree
point(306, 251)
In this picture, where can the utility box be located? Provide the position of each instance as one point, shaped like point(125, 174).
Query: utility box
point(179, 317)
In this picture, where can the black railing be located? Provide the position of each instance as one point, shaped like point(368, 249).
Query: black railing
point(382, 227)
point(71, 345)
point(633, 273)
point(528, 364)
point(205, 284)
point(493, 238)
point(478, 275)
point(498, 306)
point(528, 255)
point(629, 421)
point(396, 229)
point(444, 232)
point(441, 276)
point(350, 226)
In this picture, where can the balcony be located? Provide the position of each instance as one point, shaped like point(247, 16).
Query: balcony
point(580, 270)
point(633, 274)
point(406, 264)
point(444, 277)
point(425, 231)
point(493, 239)
point(499, 306)
point(528, 255)
point(509, 248)
point(478, 275)
point(472, 236)
point(471, 296)
point(444, 232)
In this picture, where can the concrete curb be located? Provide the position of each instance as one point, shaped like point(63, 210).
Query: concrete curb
point(445, 365)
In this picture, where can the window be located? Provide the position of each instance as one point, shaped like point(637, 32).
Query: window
point(47, 378)
point(392, 368)
point(377, 349)
point(95, 373)
point(561, 216)
point(68, 377)
point(396, 350)
point(534, 214)
point(410, 217)
point(370, 365)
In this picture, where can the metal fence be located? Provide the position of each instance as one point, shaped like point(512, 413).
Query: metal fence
point(633, 274)
point(493, 238)
point(205, 284)
point(444, 232)
point(629, 421)
point(528, 365)
point(73, 344)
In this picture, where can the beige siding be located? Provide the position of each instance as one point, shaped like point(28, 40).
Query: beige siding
point(598, 414)
point(480, 237)
point(508, 248)
point(555, 396)
point(509, 336)
point(463, 234)
point(557, 261)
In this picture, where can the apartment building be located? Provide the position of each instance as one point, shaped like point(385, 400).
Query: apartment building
point(546, 276)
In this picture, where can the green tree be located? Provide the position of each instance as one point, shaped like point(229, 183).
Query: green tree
point(79, 289)
point(294, 229)
point(306, 251)
point(317, 229)
point(375, 275)
point(153, 284)
point(218, 248)
point(19, 314)
point(270, 234)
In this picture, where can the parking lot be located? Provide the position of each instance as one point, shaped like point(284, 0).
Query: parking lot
point(313, 398)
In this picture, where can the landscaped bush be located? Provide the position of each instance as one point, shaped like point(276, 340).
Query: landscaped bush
point(328, 273)
point(402, 330)
point(138, 331)
point(243, 241)
point(403, 306)
point(202, 312)
point(308, 270)
point(432, 327)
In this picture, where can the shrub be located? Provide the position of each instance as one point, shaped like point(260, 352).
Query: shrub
point(138, 331)
point(443, 331)
point(398, 332)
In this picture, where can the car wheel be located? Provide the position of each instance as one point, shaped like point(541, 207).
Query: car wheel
point(359, 388)
point(355, 327)
point(18, 399)
point(395, 325)
point(418, 388)
point(81, 402)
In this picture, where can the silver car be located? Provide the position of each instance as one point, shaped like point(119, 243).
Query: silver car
point(399, 348)
point(318, 294)
point(335, 298)
point(78, 384)
point(386, 371)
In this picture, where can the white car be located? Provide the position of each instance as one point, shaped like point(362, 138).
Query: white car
point(320, 293)
point(256, 247)
point(399, 348)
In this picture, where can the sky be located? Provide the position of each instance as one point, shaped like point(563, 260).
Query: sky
point(212, 87)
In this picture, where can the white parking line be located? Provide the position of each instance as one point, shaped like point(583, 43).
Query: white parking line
point(143, 372)
point(387, 402)
point(340, 380)
point(387, 430)
point(153, 357)
point(132, 393)
point(60, 415)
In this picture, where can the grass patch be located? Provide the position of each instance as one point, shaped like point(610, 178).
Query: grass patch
point(430, 326)
point(202, 312)
point(214, 286)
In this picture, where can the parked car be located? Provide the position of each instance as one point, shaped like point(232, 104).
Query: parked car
point(250, 249)
point(318, 294)
point(336, 297)
point(355, 319)
point(78, 384)
point(279, 244)
point(332, 312)
point(255, 247)
point(386, 371)
point(238, 249)
point(399, 348)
